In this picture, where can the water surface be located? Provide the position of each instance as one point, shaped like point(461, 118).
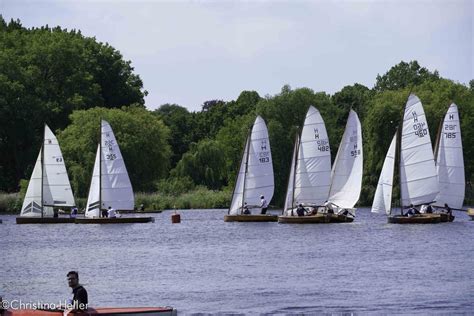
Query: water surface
point(204, 265)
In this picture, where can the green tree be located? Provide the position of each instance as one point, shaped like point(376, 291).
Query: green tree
point(204, 163)
point(142, 137)
point(404, 75)
point(46, 74)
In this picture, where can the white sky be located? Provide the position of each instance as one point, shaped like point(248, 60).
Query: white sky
point(188, 52)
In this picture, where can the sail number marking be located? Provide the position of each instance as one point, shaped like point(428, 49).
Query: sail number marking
point(323, 145)
point(264, 156)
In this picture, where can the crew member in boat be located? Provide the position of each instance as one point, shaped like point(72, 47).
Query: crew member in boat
point(73, 212)
point(111, 212)
point(426, 208)
point(300, 211)
point(79, 299)
point(448, 209)
point(263, 204)
point(412, 211)
point(246, 209)
point(104, 212)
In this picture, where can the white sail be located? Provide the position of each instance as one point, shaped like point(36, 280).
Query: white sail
point(313, 164)
point(93, 200)
point(383, 193)
point(346, 180)
point(57, 190)
point(32, 202)
point(418, 177)
point(258, 174)
point(116, 187)
point(450, 162)
point(236, 204)
point(289, 200)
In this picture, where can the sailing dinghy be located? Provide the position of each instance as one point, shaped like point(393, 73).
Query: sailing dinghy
point(310, 173)
point(450, 165)
point(49, 186)
point(110, 184)
point(255, 178)
point(411, 149)
point(346, 176)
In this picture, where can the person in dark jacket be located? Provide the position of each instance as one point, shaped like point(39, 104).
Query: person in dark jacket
point(79, 298)
point(300, 210)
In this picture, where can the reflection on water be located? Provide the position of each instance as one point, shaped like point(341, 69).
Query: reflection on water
point(204, 265)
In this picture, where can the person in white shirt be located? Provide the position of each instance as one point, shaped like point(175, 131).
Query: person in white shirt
point(263, 204)
point(111, 213)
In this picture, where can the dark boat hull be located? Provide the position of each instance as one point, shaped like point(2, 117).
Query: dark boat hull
point(109, 311)
point(315, 219)
point(445, 217)
point(117, 220)
point(44, 220)
point(415, 219)
point(251, 218)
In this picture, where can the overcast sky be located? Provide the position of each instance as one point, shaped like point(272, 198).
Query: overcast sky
point(188, 52)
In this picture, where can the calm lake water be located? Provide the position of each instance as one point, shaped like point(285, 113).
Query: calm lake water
point(204, 265)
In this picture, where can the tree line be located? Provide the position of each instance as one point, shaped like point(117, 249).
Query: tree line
point(71, 82)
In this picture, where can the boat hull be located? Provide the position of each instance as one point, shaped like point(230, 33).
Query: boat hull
point(415, 219)
point(315, 219)
point(251, 218)
point(148, 311)
point(117, 220)
point(470, 213)
point(44, 220)
point(445, 217)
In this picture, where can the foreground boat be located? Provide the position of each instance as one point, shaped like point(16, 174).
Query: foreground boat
point(255, 178)
point(116, 220)
point(49, 186)
point(44, 220)
point(109, 311)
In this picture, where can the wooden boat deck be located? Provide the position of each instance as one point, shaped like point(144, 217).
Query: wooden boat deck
point(415, 219)
point(251, 218)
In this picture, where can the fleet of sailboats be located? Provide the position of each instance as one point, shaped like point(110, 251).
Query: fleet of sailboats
point(255, 178)
point(326, 194)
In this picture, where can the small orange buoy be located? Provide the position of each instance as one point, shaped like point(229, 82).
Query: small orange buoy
point(175, 218)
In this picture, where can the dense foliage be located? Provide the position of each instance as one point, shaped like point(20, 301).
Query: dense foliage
point(70, 82)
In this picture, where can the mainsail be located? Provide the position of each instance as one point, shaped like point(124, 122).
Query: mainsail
point(49, 183)
point(110, 184)
point(346, 182)
point(383, 193)
point(418, 177)
point(310, 175)
point(450, 162)
point(256, 170)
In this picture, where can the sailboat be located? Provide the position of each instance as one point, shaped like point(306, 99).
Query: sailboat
point(49, 186)
point(110, 184)
point(255, 178)
point(411, 151)
point(346, 176)
point(450, 164)
point(310, 173)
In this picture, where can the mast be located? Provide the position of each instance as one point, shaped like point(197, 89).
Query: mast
point(246, 168)
point(42, 173)
point(297, 149)
point(438, 138)
point(100, 171)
